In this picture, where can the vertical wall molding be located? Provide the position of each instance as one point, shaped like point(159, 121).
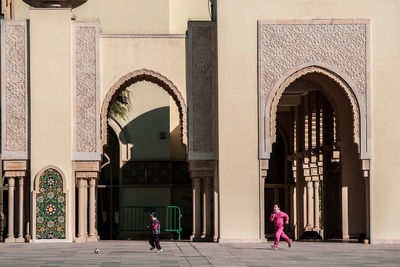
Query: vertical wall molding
point(14, 90)
point(86, 91)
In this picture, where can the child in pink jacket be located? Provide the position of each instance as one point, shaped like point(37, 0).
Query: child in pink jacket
point(277, 217)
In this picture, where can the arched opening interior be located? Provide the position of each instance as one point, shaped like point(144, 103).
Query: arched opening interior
point(108, 188)
point(144, 165)
point(279, 180)
point(325, 191)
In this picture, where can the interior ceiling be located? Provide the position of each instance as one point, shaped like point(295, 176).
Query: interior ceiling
point(292, 96)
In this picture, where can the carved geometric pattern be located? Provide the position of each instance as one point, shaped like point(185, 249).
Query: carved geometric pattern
point(14, 89)
point(202, 86)
point(289, 45)
point(290, 49)
point(150, 76)
point(50, 208)
point(85, 99)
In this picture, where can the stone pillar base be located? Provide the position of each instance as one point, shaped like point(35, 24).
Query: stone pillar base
point(195, 238)
point(81, 239)
point(309, 228)
point(20, 240)
point(92, 239)
point(207, 238)
point(9, 240)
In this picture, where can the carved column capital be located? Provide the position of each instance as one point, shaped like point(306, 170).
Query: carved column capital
point(11, 181)
point(92, 181)
point(81, 182)
point(264, 164)
point(196, 182)
point(366, 168)
point(207, 181)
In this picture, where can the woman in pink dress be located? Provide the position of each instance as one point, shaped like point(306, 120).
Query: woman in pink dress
point(277, 217)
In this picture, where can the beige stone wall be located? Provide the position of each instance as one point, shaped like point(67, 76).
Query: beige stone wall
point(120, 56)
point(238, 128)
point(126, 16)
point(181, 11)
point(136, 16)
point(51, 116)
point(50, 67)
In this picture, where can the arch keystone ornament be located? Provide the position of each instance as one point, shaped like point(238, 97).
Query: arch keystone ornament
point(289, 49)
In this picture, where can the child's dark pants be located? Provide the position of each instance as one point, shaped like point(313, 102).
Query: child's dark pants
point(155, 241)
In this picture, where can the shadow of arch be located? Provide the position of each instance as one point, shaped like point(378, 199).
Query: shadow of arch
point(150, 76)
point(145, 133)
point(123, 138)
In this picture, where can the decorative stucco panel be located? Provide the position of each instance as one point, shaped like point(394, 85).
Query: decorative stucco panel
point(339, 46)
point(202, 90)
point(286, 46)
point(14, 90)
point(86, 92)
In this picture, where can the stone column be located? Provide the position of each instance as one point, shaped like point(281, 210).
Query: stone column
point(293, 212)
point(310, 206)
point(82, 210)
point(2, 216)
point(10, 237)
point(196, 209)
point(262, 208)
point(92, 210)
point(263, 174)
point(216, 207)
point(206, 208)
point(366, 167)
point(20, 238)
point(316, 206)
point(345, 212)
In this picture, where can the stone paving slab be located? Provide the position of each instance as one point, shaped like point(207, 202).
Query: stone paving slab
point(136, 253)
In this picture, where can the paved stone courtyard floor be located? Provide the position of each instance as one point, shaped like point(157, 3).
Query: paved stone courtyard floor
point(136, 253)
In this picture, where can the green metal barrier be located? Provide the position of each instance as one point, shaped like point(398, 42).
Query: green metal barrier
point(173, 221)
point(136, 218)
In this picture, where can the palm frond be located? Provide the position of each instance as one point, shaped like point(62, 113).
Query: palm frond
point(120, 106)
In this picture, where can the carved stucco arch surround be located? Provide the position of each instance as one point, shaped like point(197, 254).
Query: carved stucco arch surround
point(150, 76)
point(337, 48)
point(271, 105)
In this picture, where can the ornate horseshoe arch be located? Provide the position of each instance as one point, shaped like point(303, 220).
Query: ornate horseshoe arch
point(144, 75)
point(290, 49)
point(272, 106)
